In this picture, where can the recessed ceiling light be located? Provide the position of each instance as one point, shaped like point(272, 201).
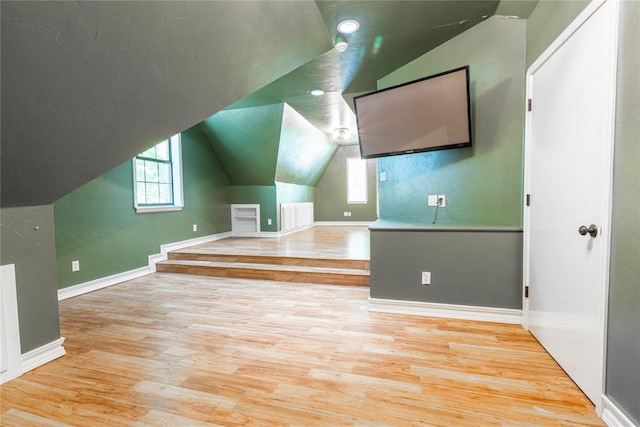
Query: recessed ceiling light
point(348, 26)
point(341, 43)
point(317, 92)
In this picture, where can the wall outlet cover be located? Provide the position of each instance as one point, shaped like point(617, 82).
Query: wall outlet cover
point(426, 277)
point(442, 200)
point(75, 266)
point(195, 227)
point(383, 176)
point(432, 200)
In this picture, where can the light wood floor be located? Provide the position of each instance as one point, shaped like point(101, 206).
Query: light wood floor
point(317, 242)
point(179, 350)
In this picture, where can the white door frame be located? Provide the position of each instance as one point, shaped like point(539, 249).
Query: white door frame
point(607, 219)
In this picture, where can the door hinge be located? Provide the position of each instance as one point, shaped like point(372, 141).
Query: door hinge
point(526, 292)
point(529, 104)
point(528, 199)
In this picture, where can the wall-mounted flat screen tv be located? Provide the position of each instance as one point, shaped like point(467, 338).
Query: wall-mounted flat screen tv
point(432, 113)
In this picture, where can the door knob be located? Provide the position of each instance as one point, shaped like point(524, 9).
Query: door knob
point(592, 230)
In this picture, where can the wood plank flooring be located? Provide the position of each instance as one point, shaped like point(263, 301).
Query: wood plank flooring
point(322, 242)
point(179, 350)
point(327, 255)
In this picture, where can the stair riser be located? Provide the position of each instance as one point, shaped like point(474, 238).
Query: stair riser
point(309, 262)
point(257, 274)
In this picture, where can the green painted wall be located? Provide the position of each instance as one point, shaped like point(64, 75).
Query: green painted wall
point(304, 152)
point(97, 224)
point(246, 142)
point(482, 184)
point(547, 21)
point(271, 154)
point(331, 191)
point(265, 196)
point(27, 240)
point(294, 193)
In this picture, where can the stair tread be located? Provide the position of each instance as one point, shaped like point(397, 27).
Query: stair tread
point(271, 267)
point(199, 253)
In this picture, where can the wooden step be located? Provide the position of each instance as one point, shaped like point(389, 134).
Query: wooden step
point(358, 264)
point(268, 271)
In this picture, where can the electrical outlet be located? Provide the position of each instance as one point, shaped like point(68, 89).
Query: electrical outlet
point(432, 200)
point(347, 214)
point(442, 201)
point(268, 221)
point(383, 176)
point(426, 277)
point(75, 266)
point(195, 227)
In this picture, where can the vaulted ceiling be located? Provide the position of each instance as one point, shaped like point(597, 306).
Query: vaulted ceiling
point(87, 85)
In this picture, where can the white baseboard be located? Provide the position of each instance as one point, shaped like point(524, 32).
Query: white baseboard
point(613, 416)
point(345, 223)
point(270, 234)
point(43, 354)
point(164, 249)
point(451, 311)
point(104, 282)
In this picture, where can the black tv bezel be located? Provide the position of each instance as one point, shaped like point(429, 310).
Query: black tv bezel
point(464, 144)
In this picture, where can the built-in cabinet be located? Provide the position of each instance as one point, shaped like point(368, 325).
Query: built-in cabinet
point(245, 220)
point(295, 216)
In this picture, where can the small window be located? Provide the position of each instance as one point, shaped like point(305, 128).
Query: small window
point(356, 180)
point(157, 177)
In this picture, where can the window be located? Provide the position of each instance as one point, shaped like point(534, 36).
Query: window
point(356, 180)
point(157, 177)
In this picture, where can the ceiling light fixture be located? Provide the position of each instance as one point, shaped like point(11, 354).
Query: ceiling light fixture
point(348, 26)
point(341, 136)
point(317, 92)
point(341, 43)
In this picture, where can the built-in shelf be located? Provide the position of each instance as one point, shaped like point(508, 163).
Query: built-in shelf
point(245, 220)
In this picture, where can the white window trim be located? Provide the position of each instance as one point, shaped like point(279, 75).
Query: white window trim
point(176, 167)
point(366, 189)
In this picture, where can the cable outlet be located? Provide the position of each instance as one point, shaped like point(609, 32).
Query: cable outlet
point(442, 201)
point(195, 227)
point(75, 265)
point(426, 277)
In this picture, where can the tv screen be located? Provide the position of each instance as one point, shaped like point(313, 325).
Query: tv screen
point(433, 113)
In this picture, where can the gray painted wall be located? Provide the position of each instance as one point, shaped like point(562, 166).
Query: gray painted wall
point(623, 335)
point(468, 267)
point(87, 85)
point(27, 240)
point(331, 191)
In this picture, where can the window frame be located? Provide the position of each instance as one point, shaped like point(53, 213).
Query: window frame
point(350, 200)
point(175, 151)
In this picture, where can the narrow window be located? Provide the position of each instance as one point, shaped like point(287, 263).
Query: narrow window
point(157, 177)
point(356, 180)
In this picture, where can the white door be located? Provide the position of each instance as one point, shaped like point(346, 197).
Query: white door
point(568, 158)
